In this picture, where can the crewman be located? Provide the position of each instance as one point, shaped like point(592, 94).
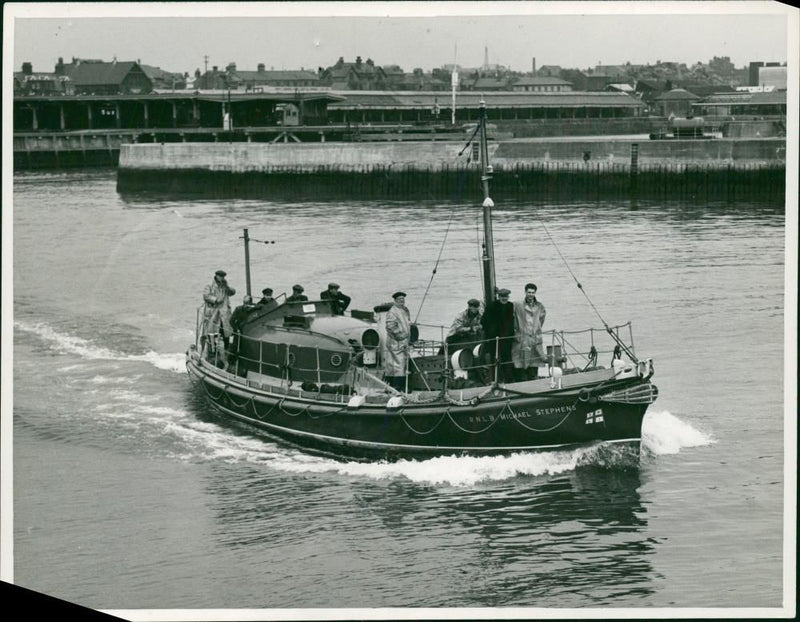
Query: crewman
point(398, 338)
point(498, 329)
point(297, 294)
point(339, 300)
point(217, 311)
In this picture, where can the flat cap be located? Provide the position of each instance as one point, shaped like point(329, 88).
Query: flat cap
point(397, 294)
point(503, 292)
point(267, 291)
point(220, 273)
point(333, 285)
point(473, 302)
point(297, 288)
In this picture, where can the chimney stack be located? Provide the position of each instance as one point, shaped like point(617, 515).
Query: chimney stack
point(534, 65)
point(27, 68)
point(260, 67)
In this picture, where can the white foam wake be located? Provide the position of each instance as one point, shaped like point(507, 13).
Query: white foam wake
point(447, 470)
point(86, 349)
point(663, 433)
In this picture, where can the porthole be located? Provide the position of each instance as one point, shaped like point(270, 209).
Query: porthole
point(336, 360)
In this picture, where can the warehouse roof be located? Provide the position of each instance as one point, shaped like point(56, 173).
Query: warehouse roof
point(506, 99)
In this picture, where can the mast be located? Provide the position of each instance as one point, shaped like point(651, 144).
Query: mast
point(454, 86)
point(246, 238)
point(489, 283)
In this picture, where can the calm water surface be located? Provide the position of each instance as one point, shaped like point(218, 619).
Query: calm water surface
point(131, 494)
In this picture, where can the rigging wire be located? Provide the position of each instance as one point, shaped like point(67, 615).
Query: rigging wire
point(615, 337)
point(449, 222)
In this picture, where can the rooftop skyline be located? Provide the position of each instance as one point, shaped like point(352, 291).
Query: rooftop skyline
point(179, 36)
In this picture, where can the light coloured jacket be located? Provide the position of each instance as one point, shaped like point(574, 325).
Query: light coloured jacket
point(465, 323)
point(217, 311)
point(398, 332)
point(527, 350)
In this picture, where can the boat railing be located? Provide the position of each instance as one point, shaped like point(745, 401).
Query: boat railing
point(434, 361)
point(573, 350)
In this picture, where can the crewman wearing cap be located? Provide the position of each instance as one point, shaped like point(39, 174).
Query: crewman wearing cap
point(266, 299)
point(339, 300)
point(217, 313)
point(466, 331)
point(467, 325)
point(297, 294)
point(398, 337)
point(498, 330)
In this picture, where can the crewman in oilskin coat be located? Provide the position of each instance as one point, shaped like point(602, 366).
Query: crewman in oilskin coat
point(527, 352)
point(217, 310)
point(398, 336)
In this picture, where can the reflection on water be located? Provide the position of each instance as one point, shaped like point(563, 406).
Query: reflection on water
point(524, 541)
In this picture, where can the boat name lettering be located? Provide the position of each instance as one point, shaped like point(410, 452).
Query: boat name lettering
point(555, 410)
point(524, 414)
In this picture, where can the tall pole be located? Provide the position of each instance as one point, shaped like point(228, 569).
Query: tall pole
point(489, 282)
point(247, 261)
point(454, 84)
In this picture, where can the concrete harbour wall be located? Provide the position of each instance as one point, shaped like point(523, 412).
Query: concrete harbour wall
point(344, 157)
point(523, 170)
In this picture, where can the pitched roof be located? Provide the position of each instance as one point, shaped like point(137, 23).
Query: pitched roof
point(94, 73)
point(280, 74)
point(393, 70)
point(677, 95)
point(156, 73)
point(507, 99)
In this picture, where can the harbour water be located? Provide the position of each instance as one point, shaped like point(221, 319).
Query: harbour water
point(130, 494)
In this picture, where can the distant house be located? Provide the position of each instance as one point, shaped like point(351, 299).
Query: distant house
point(357, 76)
point(395, 76)
point(97, 77)
point(541, 85)
point(28, 82)
point(251, 80)
point(549, 71)
point(575, 77)
point(164, 80)
point(598, 82)
point(613, 71)
point(675, 103)
point(648, 89)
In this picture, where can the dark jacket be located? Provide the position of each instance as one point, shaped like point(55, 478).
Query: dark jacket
point(297, 298)
point(498, 320)
point(239, 316)
point(339, 302)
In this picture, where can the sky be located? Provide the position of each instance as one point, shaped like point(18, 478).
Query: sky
point(182, 37)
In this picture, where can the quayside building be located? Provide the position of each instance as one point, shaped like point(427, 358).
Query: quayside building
point(301, 107)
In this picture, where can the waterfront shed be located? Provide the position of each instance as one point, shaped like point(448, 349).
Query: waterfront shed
point(675, 103)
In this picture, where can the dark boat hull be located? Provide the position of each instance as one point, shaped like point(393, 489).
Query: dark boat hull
point(496, 422)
